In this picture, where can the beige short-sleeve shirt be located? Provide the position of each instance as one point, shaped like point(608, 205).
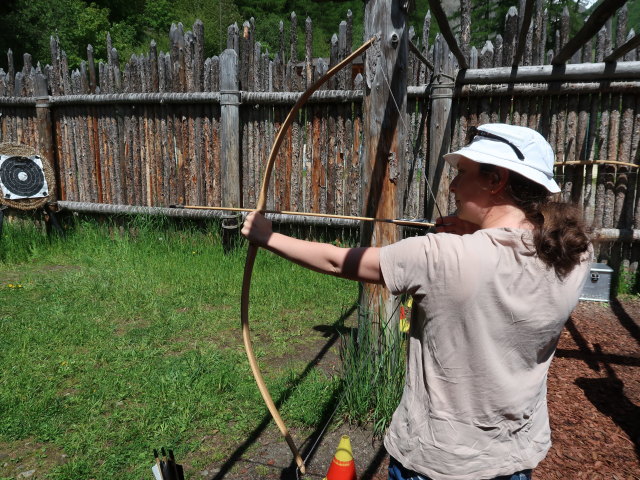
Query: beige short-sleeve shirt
point(486, 319)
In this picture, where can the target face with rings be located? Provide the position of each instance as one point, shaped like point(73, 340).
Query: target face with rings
point(22, 177)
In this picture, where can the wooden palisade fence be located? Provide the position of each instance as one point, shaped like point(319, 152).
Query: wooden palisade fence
point(175, 128)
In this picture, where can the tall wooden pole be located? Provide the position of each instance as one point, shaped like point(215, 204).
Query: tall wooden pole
point(46, 143)
point(230, 143)
point(385, 102)
point(440, 131)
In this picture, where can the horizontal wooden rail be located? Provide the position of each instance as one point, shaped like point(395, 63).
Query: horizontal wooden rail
point(551, 73)
point(289, 98)
point(597, 162)
point(599, 235)
point(479, 82)
point(17, 101)
point(327, 96)
point(615, 235)
point(574, 88)
point(396, 221)
point(202, 214)
point(245, 98)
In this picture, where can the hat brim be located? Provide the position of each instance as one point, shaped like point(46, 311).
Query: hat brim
point(531, 173)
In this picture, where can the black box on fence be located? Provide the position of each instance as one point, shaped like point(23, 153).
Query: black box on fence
point(597, 286)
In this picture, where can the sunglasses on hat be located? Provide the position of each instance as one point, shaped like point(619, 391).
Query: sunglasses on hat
point(473, 132)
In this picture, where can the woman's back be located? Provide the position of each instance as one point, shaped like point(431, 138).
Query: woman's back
point(486, 320)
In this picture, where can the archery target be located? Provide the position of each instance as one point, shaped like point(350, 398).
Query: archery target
point(22, 177)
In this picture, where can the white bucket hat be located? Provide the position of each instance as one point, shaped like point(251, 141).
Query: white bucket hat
point(519, 149)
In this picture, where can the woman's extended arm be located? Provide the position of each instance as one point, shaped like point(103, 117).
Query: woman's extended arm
point(361, 264)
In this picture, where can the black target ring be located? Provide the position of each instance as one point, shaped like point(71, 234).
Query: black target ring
point(22, 176)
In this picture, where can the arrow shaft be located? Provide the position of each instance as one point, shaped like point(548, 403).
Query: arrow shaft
point(311, 214)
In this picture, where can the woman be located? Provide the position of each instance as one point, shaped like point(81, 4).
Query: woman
point(492, 291)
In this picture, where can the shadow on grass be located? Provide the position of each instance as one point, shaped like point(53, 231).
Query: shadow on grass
point(307, 450)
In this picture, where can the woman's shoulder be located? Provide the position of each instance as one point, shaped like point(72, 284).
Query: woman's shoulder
point(481, 240)
point(506, 237)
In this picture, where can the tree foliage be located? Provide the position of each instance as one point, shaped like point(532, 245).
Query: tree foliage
point(29, 24)
point(325, 17)
point(32, 22)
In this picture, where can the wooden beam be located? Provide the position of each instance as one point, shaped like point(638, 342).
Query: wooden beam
point(396, 221)
point(445, 29)
point(525, 23)
point(615, 235)
point(549, 73)
point(598, 162)
point(229, 128)
point(528, 89)
point(418, 54)
point(440, 128)
point(598, 234)
point(306, 219)
point(626, 47)
point(591, 27)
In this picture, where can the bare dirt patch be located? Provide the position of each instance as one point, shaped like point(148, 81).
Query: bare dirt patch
point(27, 272)
point(594, 404)
point(28, 459)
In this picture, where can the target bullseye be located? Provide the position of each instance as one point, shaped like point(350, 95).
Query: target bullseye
point(22, 177)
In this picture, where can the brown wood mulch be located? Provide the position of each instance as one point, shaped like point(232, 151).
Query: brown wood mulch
point(594, 395)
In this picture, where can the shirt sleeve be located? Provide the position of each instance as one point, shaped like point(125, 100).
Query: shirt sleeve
point(406, 265)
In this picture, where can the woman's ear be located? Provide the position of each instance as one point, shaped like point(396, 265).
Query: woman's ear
point(499, 179)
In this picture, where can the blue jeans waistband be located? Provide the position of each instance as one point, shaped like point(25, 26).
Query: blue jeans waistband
point(398, 472)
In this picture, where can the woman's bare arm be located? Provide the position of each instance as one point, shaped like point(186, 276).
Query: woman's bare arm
point(361, 264)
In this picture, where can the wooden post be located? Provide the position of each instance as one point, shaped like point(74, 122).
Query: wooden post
point(440, 131)
point(230, 141)
point(46, 145)
point(384, 114)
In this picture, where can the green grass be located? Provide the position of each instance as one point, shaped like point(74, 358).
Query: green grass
point(627, 283)
point(117, 341)
point(372, 384)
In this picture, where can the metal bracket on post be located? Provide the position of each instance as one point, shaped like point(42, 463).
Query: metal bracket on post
point(447, 90)
point(230, 226)
point(230, 97)
point(43, 102)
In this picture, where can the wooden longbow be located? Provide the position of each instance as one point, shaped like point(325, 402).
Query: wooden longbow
point(253, 250)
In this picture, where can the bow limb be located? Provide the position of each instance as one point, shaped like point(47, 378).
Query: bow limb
point(253, 250)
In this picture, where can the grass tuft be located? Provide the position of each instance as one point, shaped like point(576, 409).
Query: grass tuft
point(373, 383)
